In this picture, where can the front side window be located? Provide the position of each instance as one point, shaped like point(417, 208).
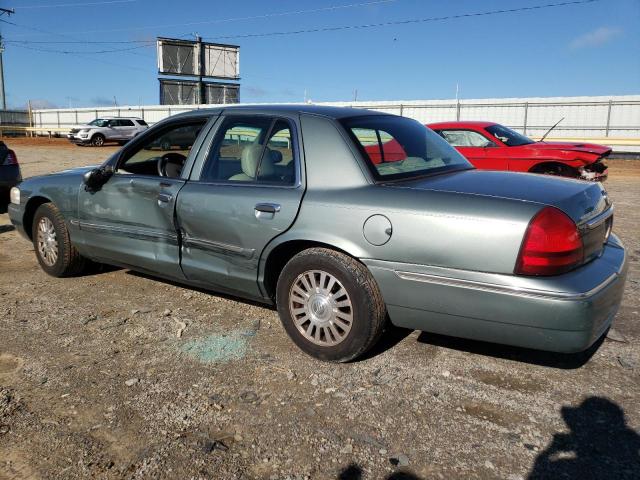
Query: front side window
point(465, 138)
point(163, 153)
point(398, 148)
point(251, 150)
point(99, 122)
point(509, 137)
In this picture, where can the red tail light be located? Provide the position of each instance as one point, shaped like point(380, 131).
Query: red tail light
point(552, 245)
point(11, 158)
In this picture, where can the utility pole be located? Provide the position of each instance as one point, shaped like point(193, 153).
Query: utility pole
point(3, 100)
point(201, 59)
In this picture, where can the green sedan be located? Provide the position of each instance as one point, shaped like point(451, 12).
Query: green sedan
point(345, 220)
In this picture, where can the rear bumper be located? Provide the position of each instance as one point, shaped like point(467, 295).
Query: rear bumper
point(567, 313)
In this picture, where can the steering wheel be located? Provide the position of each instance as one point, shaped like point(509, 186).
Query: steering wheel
point(170, 164)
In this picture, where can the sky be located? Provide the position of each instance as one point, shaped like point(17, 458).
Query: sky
point(580, 49)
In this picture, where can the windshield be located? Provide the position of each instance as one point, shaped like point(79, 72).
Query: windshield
point(99, 122)
point(507, 136)
point(398, 148)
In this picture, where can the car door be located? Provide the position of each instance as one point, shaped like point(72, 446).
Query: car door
point(129, 221)
point(475, 147)
point(243, 193)
point(111, 130)
point(126, 128)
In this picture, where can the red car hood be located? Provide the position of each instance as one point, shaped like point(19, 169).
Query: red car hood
point(571, 146)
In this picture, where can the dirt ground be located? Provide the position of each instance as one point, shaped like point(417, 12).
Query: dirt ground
point(96, 383)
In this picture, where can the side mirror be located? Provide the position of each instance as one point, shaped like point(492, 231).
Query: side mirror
point(96, 178)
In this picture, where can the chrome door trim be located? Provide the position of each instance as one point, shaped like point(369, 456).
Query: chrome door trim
point(217, 247)
point(130, 232)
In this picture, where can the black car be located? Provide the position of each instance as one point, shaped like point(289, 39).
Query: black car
point(10, 175)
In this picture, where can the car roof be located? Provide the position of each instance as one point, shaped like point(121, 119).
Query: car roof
point(461, 124)
point(322, 110)
point(117, 118)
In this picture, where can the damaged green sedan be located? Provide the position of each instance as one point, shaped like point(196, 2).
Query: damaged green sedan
point(344, 219)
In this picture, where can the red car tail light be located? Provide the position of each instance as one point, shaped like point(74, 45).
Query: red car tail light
point(551, 245)
point(11, 158)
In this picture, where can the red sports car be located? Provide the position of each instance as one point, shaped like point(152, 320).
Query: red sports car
point(491, 146)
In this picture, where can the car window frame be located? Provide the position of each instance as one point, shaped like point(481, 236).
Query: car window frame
point(209, 121)
point(212, 138)
point(490, 140)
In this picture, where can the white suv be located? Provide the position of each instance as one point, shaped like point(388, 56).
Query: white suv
point(107, 129)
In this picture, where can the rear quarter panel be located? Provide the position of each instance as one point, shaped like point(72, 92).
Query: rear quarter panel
point(447, 229)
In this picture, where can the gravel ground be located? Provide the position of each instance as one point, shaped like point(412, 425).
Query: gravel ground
point(95, 381)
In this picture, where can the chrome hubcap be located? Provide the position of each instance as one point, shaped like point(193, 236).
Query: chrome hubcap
point(47, 242)
point(321, 308)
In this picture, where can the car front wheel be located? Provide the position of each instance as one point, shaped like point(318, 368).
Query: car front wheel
point(55, 252)
point(97, 140)
point(330, 305)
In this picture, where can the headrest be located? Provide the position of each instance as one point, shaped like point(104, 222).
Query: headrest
point(250, 159)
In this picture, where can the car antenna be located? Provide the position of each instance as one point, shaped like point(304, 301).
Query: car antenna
point(549, 131)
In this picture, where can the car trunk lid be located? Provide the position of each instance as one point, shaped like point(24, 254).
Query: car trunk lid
point(586, 203)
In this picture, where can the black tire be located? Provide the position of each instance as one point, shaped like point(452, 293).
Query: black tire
point(68, 261)
point(367, 307)
point(97, 140)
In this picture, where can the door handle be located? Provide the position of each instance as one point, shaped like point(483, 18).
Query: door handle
point(267, 208)
point(164, 197)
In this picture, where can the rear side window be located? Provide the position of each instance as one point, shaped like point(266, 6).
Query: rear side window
point(251, 150)
point(125, 123)
point(142, 122)
point(398, 148)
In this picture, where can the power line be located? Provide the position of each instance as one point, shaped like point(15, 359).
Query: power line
point(87, 52)
point(36, 29)
point(88, 4)
point(406, 22)
point(76, 42)
point(238, 19)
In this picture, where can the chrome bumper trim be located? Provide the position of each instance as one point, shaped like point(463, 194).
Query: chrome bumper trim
point(599, 219)
point(504, 289)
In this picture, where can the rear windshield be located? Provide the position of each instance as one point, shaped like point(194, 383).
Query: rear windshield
point(398, 148)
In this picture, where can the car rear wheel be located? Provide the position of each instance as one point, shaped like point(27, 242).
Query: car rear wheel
point(54, 250)
point(97, 140)
point(330, 305)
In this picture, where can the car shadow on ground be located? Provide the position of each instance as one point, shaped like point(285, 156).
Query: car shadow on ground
point(599, 445)
point(517, 354)
point(391, 336)
point(201, 290)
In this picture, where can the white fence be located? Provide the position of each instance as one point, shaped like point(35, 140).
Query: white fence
point(612, 120)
